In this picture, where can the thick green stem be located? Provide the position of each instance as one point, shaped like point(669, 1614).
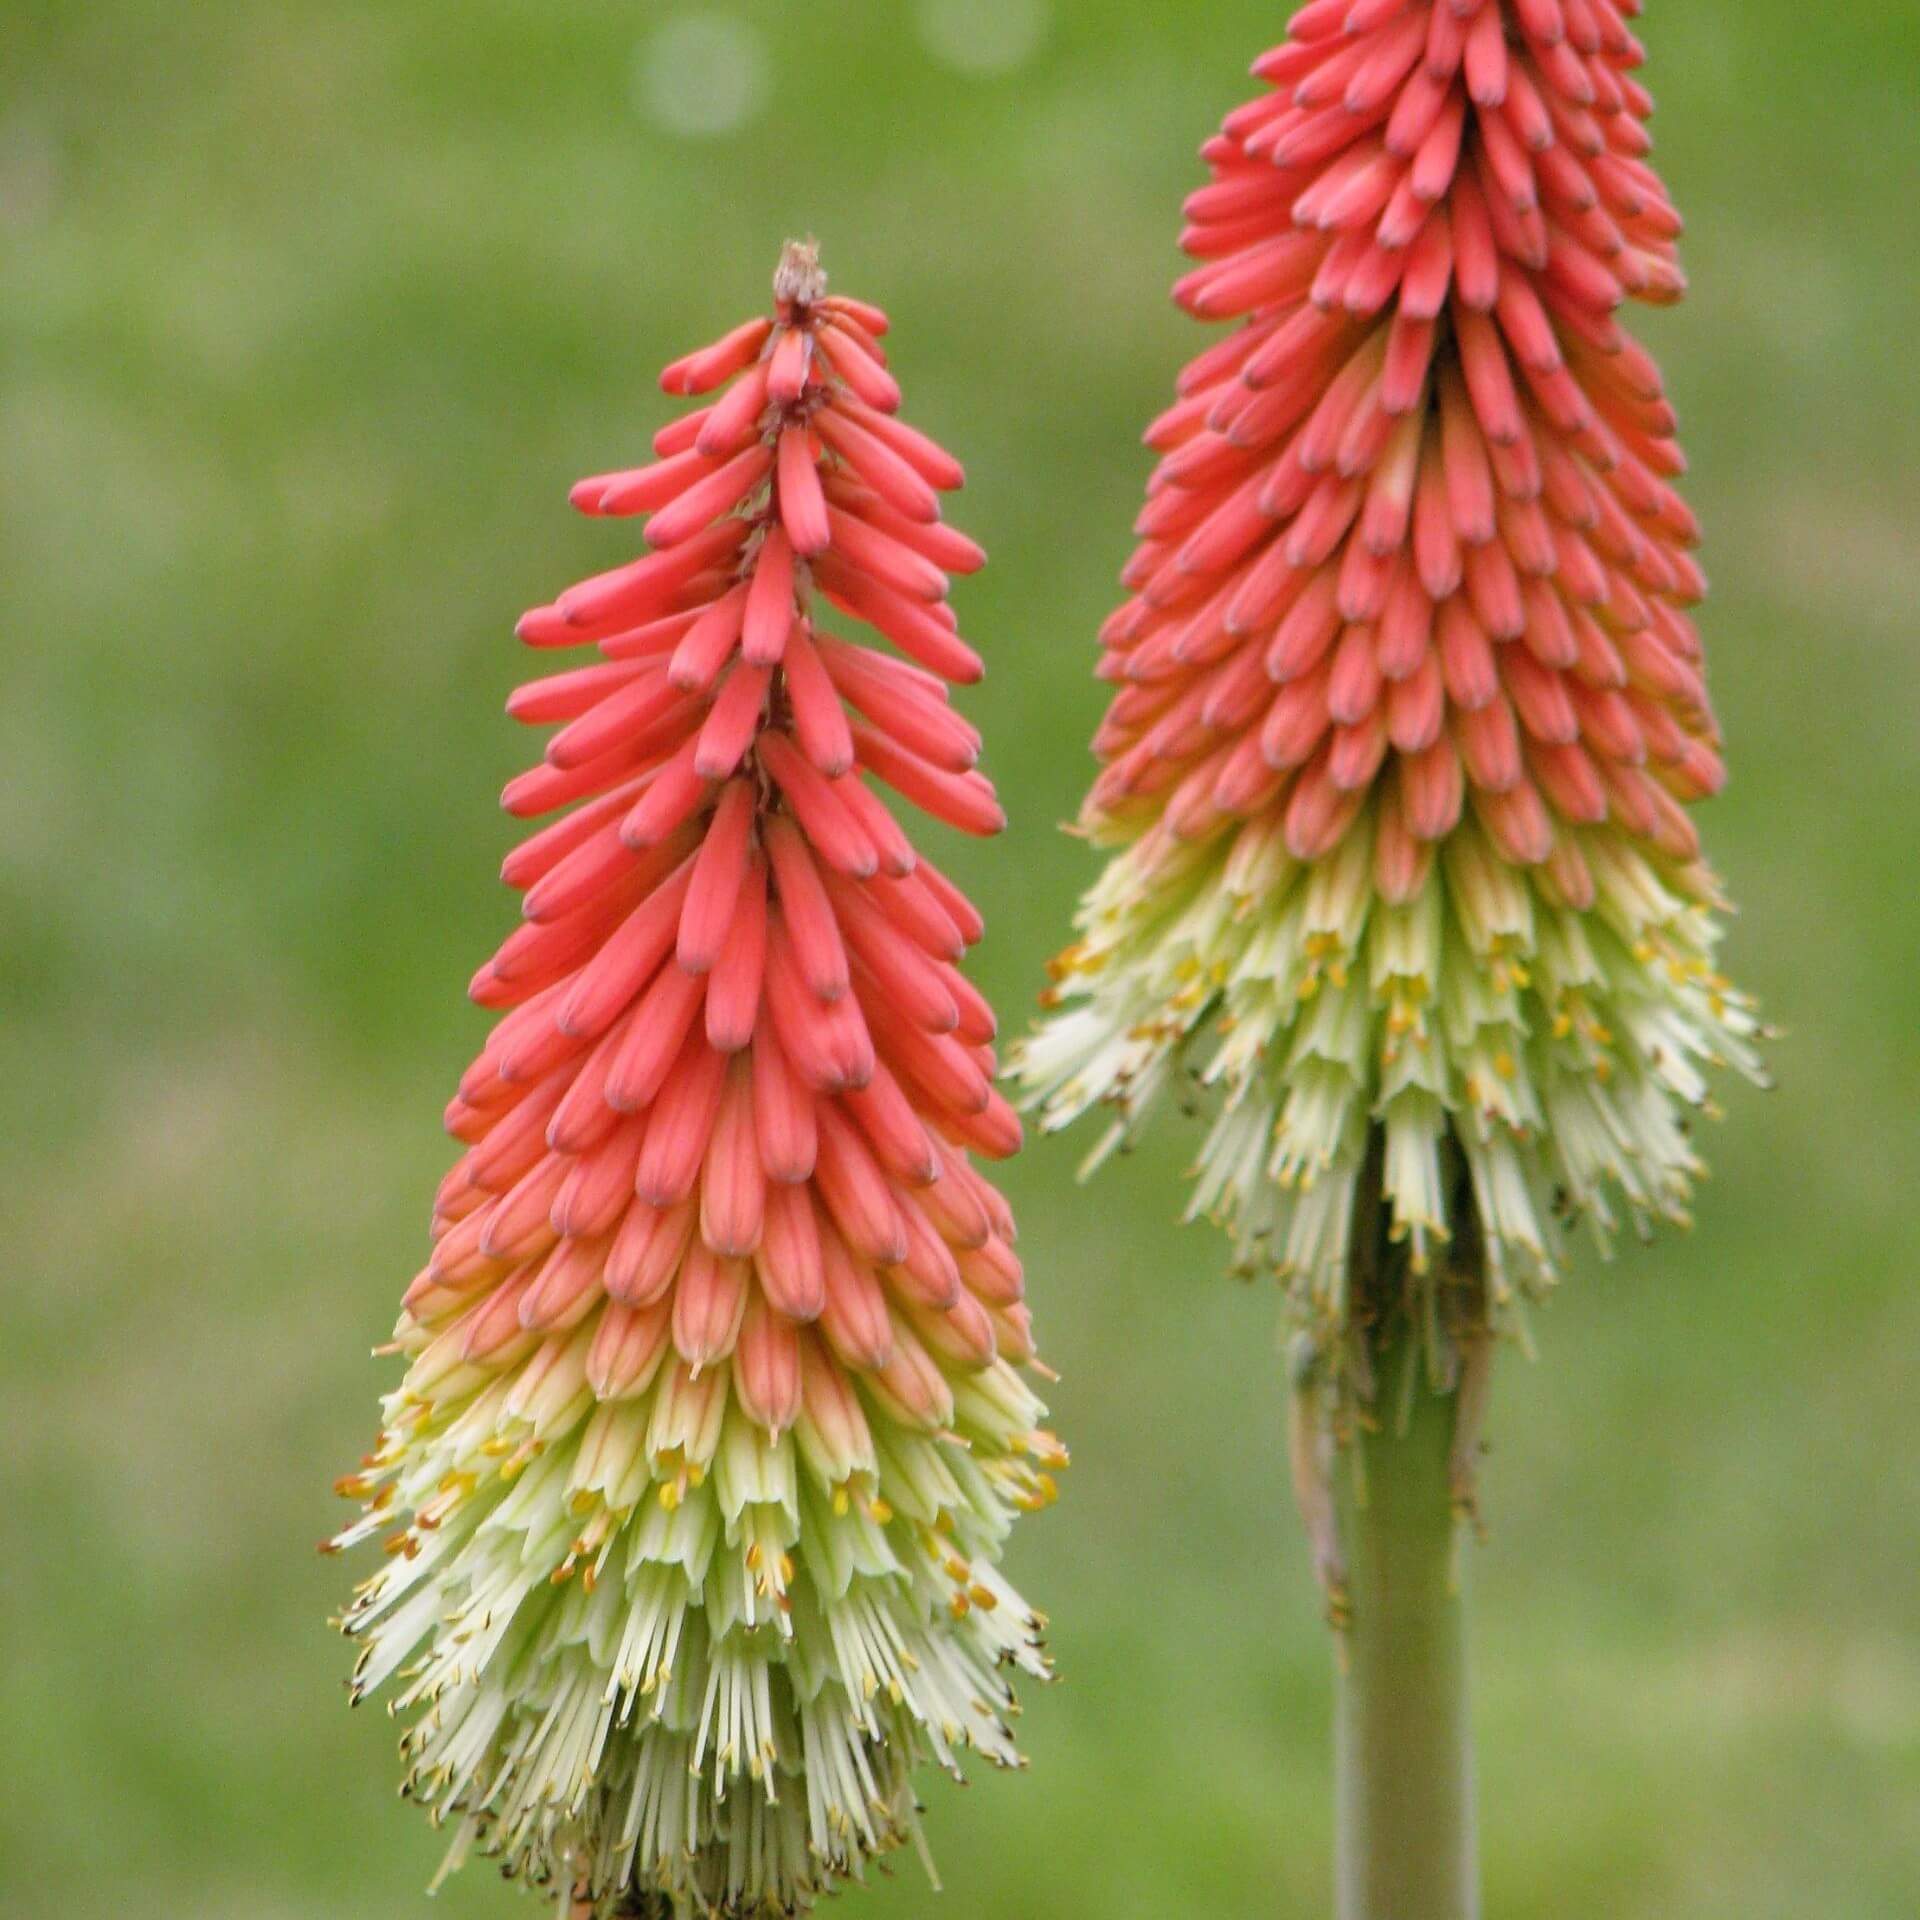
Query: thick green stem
point(1406, 1845)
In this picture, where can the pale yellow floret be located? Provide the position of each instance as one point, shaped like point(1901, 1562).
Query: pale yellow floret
point(1558, 1053)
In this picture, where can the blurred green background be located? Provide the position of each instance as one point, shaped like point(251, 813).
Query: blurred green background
point(308, 316)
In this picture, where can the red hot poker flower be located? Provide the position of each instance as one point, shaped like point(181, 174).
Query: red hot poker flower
point(1410, 703)
point(712, 1430)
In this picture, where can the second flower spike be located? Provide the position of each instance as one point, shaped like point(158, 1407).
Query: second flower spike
point(713, 1426)
point(1411, 708)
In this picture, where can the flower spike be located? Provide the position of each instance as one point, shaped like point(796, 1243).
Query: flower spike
point(1410, 704)
point(714, 1423)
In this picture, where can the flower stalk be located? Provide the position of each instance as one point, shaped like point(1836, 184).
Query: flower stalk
point(1405, 1841)
point(1387, 1487)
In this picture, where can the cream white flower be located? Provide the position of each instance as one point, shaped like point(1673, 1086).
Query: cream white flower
point(1552, 1058)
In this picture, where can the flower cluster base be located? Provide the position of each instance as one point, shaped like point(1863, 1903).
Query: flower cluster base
point(1562, 1052)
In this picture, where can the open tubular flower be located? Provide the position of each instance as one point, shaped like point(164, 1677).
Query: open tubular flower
point(1410, 705)
point(714, 1425)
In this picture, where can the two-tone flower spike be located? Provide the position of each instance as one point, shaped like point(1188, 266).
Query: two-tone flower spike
point(1410, 703)
point(1410, 711)
point(714, 1423)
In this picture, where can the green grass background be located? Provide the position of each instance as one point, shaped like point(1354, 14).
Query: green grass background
point(308, 316)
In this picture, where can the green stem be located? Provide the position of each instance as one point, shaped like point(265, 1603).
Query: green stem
point(1405, 1846)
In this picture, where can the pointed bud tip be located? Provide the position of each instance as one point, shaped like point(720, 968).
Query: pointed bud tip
point(799, 279)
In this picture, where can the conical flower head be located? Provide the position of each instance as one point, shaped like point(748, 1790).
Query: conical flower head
point(1411, 705)
point(713, 1425)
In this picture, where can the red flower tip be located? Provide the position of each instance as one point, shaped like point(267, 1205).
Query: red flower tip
point(733, 1098)
point(1413, 533)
